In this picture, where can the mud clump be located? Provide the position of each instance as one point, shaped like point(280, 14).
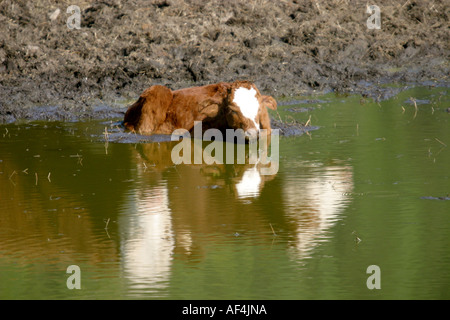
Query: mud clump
point(287, 48)
point(291, 128)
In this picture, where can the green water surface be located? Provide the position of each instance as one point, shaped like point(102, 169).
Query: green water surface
point(368, 187)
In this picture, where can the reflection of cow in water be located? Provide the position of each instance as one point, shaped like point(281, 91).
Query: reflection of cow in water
point(175, 205)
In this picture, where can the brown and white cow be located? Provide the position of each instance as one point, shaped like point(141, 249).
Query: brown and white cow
point(236, 105)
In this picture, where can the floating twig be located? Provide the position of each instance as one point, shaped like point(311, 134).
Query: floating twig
point(272, 229)
point(106, 228)
point(13, 173)
point(440, 141)
point(308, 122)
point(357, 239)
point(415, 106)
point(106, 134)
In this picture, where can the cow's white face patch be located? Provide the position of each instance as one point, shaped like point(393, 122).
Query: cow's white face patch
point(246, 100)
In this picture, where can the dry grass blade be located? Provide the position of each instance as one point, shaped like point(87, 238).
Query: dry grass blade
point(440, 141)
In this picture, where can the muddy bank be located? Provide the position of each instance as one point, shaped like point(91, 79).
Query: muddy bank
point(287, 48)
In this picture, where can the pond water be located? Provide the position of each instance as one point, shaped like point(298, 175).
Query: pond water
point(369, 187)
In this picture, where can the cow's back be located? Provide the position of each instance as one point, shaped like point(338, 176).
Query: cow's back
point(205, 103)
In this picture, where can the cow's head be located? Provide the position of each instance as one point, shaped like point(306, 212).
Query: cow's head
point(247, 108)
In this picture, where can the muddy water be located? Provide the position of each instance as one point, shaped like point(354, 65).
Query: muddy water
point(369, 187)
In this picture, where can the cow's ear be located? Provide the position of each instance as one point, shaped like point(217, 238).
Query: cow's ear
point(210, 107)
point(269, 102)
point(264, 120)
point(211, 110)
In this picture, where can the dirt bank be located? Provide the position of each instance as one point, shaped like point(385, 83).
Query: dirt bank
point(286, 47)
